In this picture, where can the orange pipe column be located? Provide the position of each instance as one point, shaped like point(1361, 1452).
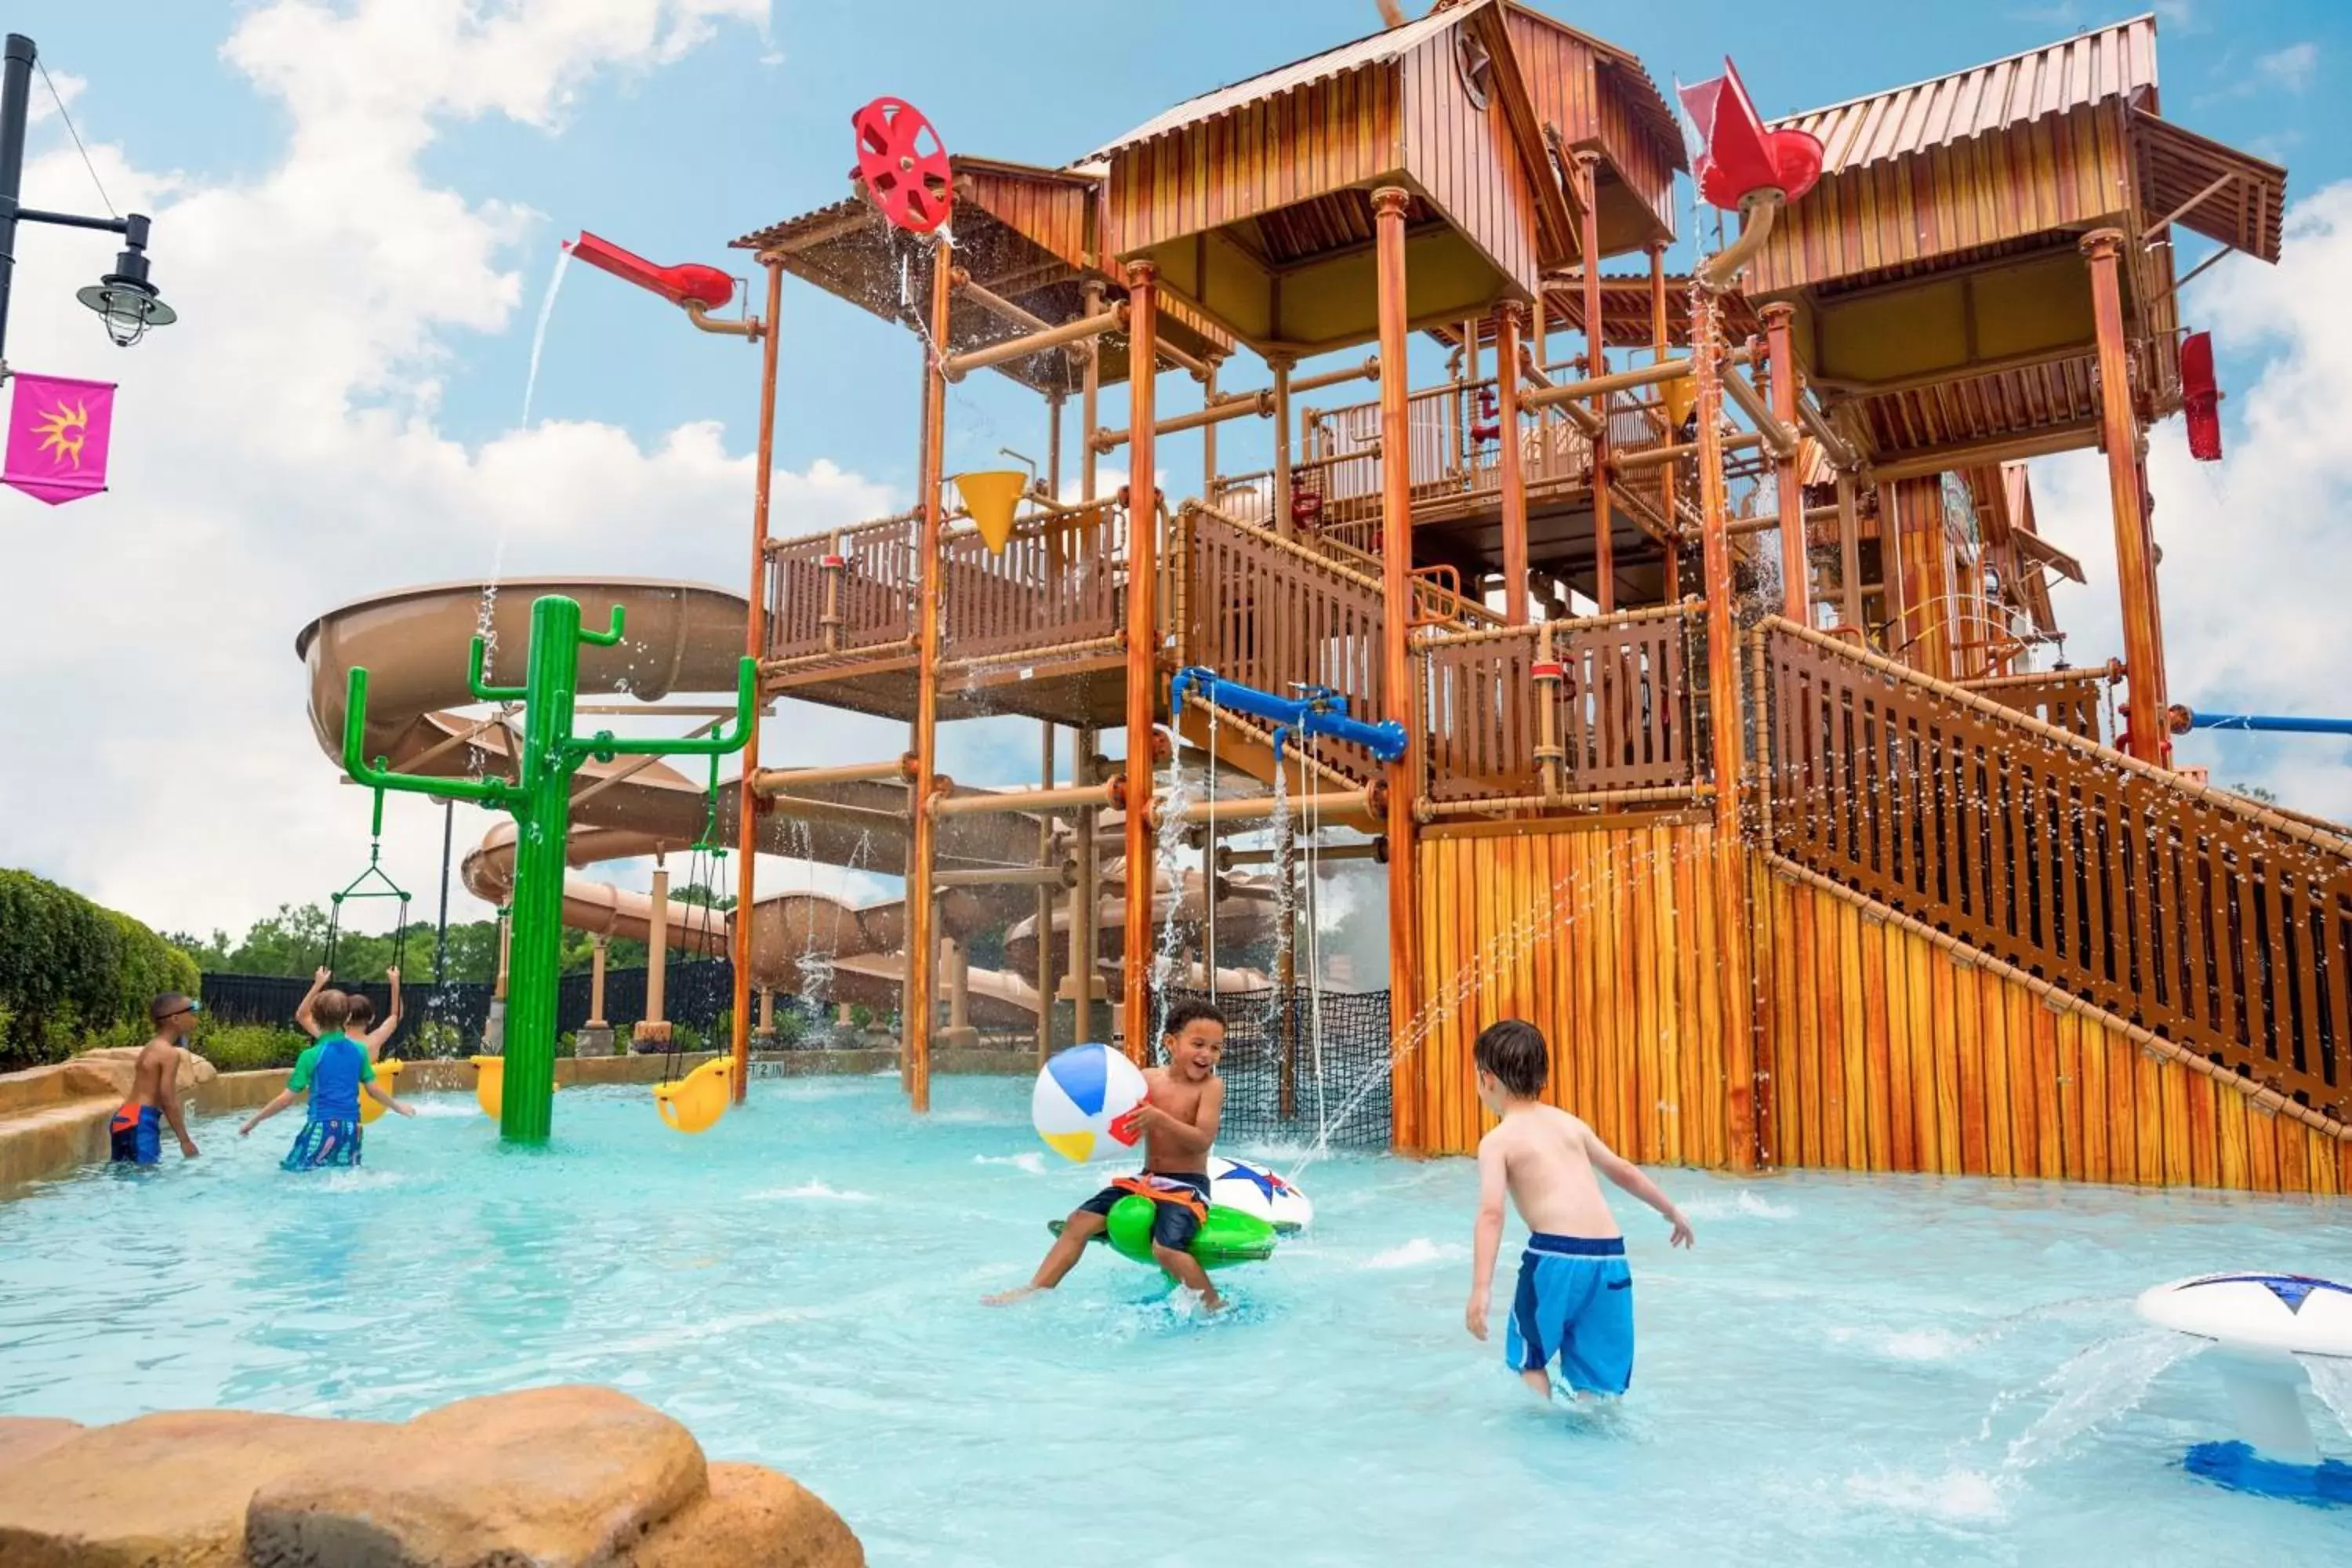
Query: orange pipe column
point(751, 806)
point(1596, 363)
point(1514, 482)
point(1396, 652)
point(915, 1012)
point(1735, 998)
point(2135, 551)
point(1143, 650)
point(1658, 346)
point(1796, 576)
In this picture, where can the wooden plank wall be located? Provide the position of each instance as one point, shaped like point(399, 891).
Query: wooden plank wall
point(1325, 136)
point(2049, 173)
point(1052, 214)
point(1573, 88)
point(1464, 159)
point(1888, 1054)
point(1603, 936)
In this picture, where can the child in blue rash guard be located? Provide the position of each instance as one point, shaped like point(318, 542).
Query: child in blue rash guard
point(1574, 1303)
point(334, 1073)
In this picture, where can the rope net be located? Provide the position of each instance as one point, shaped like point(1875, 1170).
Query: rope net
point(1280, 1088)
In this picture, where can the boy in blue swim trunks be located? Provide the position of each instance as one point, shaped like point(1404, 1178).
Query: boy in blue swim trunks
point(334, 1073)
point(1574, 1303)
point(135, 1135)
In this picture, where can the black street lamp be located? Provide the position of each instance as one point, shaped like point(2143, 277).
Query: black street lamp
point(124, 297)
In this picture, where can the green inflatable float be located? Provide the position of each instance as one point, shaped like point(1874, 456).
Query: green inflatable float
point(1226, 1237)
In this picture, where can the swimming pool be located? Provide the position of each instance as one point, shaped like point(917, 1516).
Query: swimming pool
point(1846, 1370)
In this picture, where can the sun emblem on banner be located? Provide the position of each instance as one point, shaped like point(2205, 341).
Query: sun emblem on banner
point(63, 432)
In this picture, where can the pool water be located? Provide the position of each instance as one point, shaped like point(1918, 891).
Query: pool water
point(1890, 1369)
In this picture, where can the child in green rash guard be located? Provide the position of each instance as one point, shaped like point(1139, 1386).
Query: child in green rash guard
point(334, 1073)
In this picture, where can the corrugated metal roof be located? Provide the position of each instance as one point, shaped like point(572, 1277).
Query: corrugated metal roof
point(1376, 49)
point(2115, 61)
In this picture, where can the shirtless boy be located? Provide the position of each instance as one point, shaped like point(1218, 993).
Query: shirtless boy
point(1178, 1120)
point(1574, 1303)
point(136, 1131)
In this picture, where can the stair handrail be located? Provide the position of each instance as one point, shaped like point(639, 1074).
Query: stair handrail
point(2105, 756)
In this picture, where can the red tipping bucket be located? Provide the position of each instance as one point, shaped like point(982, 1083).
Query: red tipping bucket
point(687, 282)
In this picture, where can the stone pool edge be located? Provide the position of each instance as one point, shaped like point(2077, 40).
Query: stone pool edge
point(54, 1118)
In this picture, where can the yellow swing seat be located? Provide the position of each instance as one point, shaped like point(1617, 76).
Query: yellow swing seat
point(387, 1078)
point(490, 1085)
point(696, 1102)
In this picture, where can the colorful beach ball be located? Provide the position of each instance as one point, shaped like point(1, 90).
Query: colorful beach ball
point(1079, 1093)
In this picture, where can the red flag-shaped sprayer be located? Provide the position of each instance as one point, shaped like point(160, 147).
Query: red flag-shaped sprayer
point(2201, 397)
point(1738, 156)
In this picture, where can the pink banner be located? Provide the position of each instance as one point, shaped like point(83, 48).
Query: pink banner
point(57, 435)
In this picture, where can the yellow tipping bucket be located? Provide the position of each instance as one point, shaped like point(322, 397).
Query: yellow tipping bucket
point(490, 1084)
point(387, 1078)
point(989, 496)
point(696, 1102)
point(1678, 396)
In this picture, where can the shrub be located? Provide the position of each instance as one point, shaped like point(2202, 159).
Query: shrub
point(248, 1047)
point(72, 973)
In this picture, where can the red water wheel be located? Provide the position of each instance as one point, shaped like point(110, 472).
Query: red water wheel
point(904, 165)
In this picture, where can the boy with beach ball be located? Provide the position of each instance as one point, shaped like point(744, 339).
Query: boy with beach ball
point(1091, 1094)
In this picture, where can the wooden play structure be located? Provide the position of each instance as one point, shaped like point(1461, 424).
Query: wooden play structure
point(1742, 753)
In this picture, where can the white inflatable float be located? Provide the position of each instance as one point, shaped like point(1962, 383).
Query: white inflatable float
point(2259, 1324)
point(1255, 1190)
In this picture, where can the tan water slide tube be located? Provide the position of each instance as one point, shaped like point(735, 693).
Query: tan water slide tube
point(685, 638)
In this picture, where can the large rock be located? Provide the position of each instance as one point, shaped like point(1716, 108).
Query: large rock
point(551, 1477)
point(110, 1069)
point(161, 1491)
point(752, 1518)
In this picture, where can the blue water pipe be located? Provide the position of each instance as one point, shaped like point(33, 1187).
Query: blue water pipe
point(2185, 720)
point(1317, 711)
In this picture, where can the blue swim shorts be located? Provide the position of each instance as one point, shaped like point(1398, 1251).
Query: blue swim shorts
point(135, 1136)
point(329, 1141)
point(1574, 1304)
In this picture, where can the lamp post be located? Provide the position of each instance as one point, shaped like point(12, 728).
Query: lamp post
point(124, 298)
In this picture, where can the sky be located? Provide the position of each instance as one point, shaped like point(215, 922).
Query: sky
point(358, 206)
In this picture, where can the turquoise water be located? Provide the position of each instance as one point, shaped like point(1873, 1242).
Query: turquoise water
point(1894, 1369)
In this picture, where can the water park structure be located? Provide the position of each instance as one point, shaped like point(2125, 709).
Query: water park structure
point(1735, 721)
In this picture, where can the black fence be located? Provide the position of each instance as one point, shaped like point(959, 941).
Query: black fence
point(1302, 1064)
point(448, 1019)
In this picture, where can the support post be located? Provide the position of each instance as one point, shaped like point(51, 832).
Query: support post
point(1512, 477)
point(1209, 436)
point(1596, 364)
point(596, 945)
point(1142, 651)
point(1396, 653)
point(915, 1009)
point(1849, 552)
point(2149, 736)
point(1796, 577)
point(654, 1027)
point(1085, 911)
point(1045, 910)
point(749, 806)
point(1890, 575)
point(1658, 346)
point(1734, 1000)
point(1281, 365)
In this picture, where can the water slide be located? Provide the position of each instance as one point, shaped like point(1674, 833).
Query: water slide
point(685, 638)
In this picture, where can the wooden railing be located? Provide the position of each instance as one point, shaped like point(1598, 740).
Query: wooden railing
point(2069, 699)
point(1272, 614)
point(2221, 928)
point(1059, 580)
point(866, 602)
point(1623, 712)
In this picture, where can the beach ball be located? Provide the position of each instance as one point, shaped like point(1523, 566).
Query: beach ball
point(1080, 1093)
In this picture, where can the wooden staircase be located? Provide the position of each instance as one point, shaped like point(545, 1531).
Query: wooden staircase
point(2213, 932)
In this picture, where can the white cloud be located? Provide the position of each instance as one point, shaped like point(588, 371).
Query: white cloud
point(41, 107)
point(2255, 575)
point(277, 453)
point(2292, 67)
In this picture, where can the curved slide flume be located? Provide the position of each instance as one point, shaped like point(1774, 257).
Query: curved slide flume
point(682, 637)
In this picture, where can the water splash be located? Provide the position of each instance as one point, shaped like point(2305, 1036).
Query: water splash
point(539, 335)
point(2093, 1388)
point(2331, 1380)
point(1168, 968)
